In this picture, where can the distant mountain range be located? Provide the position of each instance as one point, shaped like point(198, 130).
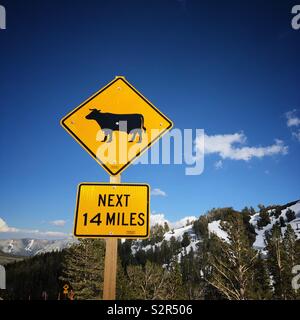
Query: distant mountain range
point(31, 247)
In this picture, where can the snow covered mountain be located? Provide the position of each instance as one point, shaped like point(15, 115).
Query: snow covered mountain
point(260, 233)
point(185, 226)
point(31, 247)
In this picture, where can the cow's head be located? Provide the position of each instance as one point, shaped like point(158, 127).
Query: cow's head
point(93, 114)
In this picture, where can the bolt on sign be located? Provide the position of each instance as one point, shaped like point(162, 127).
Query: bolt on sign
point(112, 210)
point(116, 125)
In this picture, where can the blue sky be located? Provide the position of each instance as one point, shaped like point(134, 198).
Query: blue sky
point(230, 68)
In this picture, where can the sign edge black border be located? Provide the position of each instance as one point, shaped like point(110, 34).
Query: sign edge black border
point(92, 153)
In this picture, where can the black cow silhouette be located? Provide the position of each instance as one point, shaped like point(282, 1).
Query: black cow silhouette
point(109, 122)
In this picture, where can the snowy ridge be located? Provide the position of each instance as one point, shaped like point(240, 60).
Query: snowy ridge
point(215, 227)
point(177, 234)
point(161, 220)
point(259, 243)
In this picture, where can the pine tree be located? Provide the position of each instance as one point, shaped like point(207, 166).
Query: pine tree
point(297, 246)
point(122, 290)
point(175, 246)
point(156, 234)
point(165, 253)
point(282, 222)
point(264, 218)
point(208, 247)
point(200, 227)
point(146, 283)
point(277, 212)
point(125, 252)
point(246, 214)
point(166, 227)
point(191, 277)
point(276, 257)
point(83, 268)
point(289, 241)
point(185, 240)
point(291, 259)
point(32, 276)
point(174, 288)
point(290, 215)
point(282, 256)
point(262, 289)
point(233, 268)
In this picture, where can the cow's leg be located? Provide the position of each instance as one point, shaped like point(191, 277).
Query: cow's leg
point(134, 133)
point(140, 135)
point(109, 135)
point(105, 137)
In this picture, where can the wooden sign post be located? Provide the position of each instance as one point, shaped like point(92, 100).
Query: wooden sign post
point(128, 124)
point(112, 211)
point(111, 258)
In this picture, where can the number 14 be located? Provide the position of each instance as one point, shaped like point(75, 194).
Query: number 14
point(96, 219)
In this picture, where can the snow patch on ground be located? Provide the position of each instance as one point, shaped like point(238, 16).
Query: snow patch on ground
point(215, 227)
point(178, 233)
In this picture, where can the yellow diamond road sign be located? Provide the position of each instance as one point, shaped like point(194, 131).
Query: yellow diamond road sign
point(116, 125)
point(112, 210)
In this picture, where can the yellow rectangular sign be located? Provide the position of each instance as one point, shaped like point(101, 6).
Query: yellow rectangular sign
point(112, 210)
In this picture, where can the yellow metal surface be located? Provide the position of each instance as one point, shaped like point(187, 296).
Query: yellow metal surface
point(119, 97)
point(112, 210)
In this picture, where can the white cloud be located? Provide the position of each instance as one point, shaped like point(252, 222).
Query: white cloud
point(227, 146)
point(160, 219)
point(296, 134)
point(9, 232)
point(58, 223)
point(158, 192)
point(54, 234)
point(292, 119)
point(218, 164)
point(5, 228)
